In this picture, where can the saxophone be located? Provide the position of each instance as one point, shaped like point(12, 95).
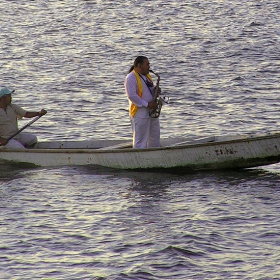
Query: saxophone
point(154, 113)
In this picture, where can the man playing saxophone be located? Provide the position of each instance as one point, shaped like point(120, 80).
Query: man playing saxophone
point(140, 90)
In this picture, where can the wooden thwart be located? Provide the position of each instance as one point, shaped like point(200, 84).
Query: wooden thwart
point(197, 141)
point(117, 146)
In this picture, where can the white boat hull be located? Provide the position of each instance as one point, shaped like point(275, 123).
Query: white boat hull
point(209, 153)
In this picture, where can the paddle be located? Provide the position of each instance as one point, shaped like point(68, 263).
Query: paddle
point(24, 127)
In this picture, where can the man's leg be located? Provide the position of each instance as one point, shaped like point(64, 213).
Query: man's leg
point(154, 137)
point(14, 144)
point(140, 127)
point(27, 139)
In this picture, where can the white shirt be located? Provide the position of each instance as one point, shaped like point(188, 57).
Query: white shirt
point(8, 120)
point(131, 89)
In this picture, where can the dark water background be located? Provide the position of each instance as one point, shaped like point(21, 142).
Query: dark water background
point(219, 64)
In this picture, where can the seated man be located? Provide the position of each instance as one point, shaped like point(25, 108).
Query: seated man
point(9, 113)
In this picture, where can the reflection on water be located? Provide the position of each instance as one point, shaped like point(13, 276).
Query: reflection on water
point(92, 216)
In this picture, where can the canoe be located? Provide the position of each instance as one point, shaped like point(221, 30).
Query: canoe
point(209, 153)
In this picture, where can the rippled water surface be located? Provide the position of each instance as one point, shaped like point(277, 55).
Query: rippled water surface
point(219, 64)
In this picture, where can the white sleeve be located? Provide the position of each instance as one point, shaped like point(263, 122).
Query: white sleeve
point(131, 90)
point(18, 110)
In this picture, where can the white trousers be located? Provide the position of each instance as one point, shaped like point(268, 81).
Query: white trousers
point(22, 140)
point(146, 132)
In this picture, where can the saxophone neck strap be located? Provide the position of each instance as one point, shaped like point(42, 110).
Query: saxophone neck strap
point(149, 82)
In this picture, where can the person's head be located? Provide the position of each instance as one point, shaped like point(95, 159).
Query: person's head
point(141, 65)
point(5, 95)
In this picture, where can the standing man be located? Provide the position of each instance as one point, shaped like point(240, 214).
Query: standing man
point(139, 89)
point(9, 113)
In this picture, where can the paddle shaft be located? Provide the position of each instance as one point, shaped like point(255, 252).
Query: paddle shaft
point(24, 127)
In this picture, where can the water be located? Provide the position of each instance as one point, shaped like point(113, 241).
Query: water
point(219, 64)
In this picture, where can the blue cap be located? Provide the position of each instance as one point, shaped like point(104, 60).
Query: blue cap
point(5, 91)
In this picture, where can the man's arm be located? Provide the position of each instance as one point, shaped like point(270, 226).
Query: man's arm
point(34, 114)
point(3, 141)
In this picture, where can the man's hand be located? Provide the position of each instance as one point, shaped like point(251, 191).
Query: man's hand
point(3, 141)
point(42, 112)
point(152, 105)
